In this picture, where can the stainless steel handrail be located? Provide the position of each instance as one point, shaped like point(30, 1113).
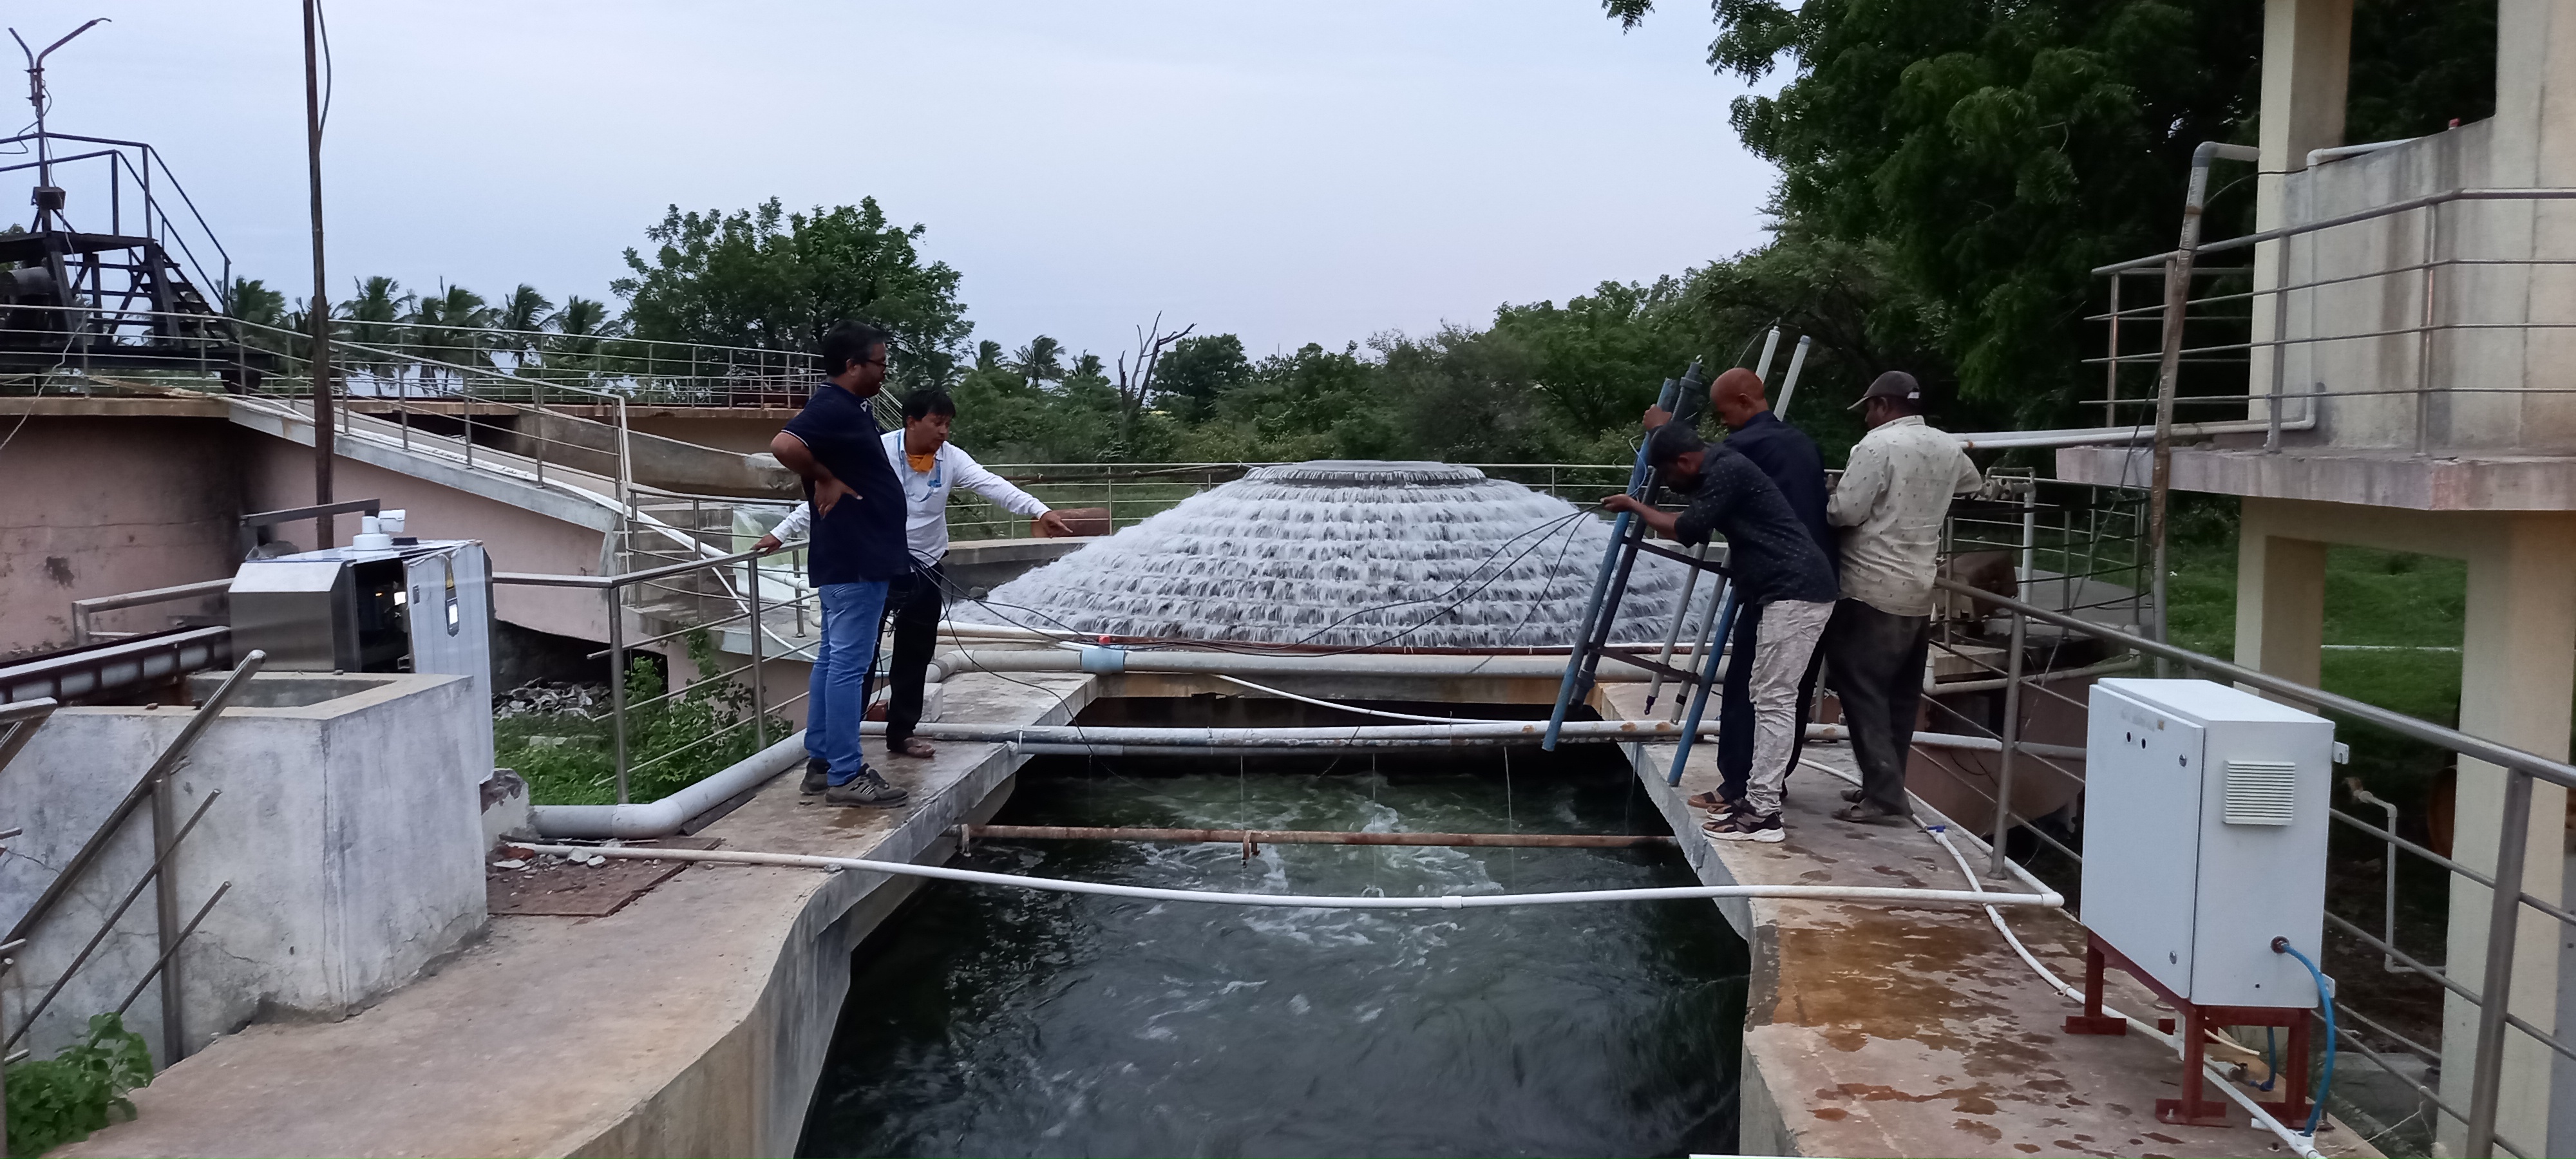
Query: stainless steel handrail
point(2506, 898)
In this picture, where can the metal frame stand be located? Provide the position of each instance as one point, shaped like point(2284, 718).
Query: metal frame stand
point(2195, 1108)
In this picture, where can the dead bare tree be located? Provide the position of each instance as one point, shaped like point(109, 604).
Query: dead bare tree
point(1136, 390)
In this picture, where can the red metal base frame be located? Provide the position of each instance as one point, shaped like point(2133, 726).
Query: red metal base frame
point(2196, 1108)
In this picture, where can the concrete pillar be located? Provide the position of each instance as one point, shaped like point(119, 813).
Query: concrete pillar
point(2307, 63)
point(2280, 597)
point(2535, 93)
point(2518, 674)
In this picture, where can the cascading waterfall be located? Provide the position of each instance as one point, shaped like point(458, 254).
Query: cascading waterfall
point(1346, 554)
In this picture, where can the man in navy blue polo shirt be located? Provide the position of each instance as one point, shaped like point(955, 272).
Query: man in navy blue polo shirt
point(855, 547)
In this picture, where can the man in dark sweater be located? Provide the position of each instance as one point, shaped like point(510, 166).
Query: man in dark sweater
point(1778, 568)
point(1790, 458)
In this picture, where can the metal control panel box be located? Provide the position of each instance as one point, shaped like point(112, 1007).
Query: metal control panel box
point(2205, 837)
point(420, 607)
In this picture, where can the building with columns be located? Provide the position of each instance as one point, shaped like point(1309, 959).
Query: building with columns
point(2414, 332)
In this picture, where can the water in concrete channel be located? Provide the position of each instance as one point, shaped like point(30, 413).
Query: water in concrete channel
point(1000, 1022)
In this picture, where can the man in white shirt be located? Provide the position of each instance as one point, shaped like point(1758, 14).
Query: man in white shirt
point(1892, 499)
point(930, 468)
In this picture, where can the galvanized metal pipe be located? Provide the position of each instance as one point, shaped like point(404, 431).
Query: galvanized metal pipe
point(1310, 837)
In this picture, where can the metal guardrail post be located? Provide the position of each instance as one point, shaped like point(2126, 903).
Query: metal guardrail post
point(2012, 741)
point(617, 683)
point(2504, 914)
point(205, 715)
point(759, 689)
point(2111, 364)
point(166, 920)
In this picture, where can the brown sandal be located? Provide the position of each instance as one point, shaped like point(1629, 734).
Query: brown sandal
point(1710, 801)
point(914, 746)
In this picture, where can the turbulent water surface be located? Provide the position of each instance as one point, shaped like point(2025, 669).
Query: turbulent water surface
point(988, 1021)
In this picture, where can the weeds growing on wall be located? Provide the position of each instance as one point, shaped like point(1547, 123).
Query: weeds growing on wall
point(569, 758)
point(62, 1099)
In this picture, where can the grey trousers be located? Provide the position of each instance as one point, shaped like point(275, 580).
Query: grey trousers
point(1781, 650)
point(1874, 664)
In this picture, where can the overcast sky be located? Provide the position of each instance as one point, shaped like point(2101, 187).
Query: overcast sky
point(1314, 170)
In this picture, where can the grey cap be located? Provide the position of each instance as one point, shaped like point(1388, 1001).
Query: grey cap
point(1893, 384)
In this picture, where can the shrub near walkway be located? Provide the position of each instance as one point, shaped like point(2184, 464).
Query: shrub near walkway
point(570, 758)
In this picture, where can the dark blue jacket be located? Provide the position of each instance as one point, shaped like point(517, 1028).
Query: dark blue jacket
point(1771, 557)
point(862, 539)
point(1787, 455)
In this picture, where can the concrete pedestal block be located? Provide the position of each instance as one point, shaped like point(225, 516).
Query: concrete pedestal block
point(348, 824)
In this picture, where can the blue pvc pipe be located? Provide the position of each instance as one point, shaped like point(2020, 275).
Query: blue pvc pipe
point(2325, 998)
point(1575, 673)
point(1707, 681)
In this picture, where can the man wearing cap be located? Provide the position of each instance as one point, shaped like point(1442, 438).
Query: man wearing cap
point(1790, 458)
point(1891, 502)
point(1778, 568)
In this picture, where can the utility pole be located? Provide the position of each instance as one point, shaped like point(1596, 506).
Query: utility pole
point(318, 312)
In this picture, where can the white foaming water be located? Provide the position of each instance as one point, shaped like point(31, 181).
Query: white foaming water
point(1346, 553)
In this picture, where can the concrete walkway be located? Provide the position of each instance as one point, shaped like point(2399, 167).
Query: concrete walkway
point(1873, 1030)
point(691, 1022)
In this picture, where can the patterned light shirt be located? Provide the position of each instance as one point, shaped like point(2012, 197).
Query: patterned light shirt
point(1891, 502)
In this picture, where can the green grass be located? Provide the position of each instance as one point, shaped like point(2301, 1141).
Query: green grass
point(570, 758)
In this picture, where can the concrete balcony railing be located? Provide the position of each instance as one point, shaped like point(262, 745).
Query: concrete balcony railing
point(2404, 339)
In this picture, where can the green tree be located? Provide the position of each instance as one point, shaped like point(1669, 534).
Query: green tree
point(250, 301)
point(769, 279)
point(1600, 358)
point(1041, 361)
point(1197, 370)
point(520, 314)
point(448, 328)
point(2000, 150)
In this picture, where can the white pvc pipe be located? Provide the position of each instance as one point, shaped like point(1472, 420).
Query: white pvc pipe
point(664, 817)
point(2299, 1144)
point(2099, 436)
point(2049, 900)
point(1328, 736)
point(1111, 661)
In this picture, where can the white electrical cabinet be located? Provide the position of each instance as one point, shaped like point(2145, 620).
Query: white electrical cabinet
point(2205, 837)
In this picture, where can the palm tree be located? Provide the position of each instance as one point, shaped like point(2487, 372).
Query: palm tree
point(1042, 360)
point(581, 324)
point(443, 327)
point(375, 313)
point(988, 355)
point(523, 311)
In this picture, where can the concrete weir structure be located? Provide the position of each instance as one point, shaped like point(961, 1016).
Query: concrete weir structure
point(341, 811)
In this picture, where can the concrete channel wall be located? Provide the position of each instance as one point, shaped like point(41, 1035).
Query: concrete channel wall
point(348, 825)
point(750, 1094)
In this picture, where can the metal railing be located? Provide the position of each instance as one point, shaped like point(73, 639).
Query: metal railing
point(2520, 769)
point(774, 611)
point(2298, 315)
point(113, 168)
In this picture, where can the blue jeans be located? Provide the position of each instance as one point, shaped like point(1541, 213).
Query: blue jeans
point(837, 700)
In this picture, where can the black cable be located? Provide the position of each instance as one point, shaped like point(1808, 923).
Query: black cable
point(322, 24)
